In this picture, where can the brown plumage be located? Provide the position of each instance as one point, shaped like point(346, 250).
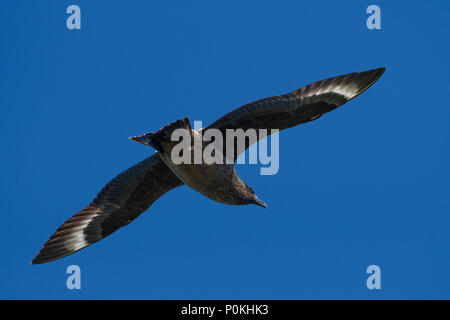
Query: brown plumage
point(129, 194)
point(121, 201)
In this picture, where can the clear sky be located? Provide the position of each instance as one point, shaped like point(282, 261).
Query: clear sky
point(366, 184)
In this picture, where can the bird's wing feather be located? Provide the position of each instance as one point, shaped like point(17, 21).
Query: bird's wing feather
point(300, 106)
point(121, 201)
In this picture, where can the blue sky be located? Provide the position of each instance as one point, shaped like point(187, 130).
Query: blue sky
point(366, 184)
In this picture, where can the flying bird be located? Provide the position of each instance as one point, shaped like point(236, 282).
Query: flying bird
point(131, 193)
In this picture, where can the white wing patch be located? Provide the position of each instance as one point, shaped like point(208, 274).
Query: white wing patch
point(77, 240)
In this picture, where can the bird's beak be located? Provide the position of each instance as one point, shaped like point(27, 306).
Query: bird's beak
point(260, 203)
point(141, 139)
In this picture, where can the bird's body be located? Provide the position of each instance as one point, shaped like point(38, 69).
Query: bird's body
point(134, 190)
point(217, 181)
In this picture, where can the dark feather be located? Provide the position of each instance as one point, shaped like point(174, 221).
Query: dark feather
point(121, 201)
point(300, 106)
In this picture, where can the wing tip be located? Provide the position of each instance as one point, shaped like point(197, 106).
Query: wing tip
point(35, 261)
point(39, 260)
point(368, 79)
point(379, 72)
point(42, 257)
point(45, 256)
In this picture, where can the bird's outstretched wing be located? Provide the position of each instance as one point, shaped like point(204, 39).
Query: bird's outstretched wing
point(300, 106)
point(121, 201)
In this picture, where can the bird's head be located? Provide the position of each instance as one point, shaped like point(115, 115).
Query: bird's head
point(258, 202)
point(252, 198)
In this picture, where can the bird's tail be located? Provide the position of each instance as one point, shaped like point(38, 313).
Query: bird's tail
point(164, 134)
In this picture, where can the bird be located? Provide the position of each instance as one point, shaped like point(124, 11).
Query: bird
point(133, 191)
